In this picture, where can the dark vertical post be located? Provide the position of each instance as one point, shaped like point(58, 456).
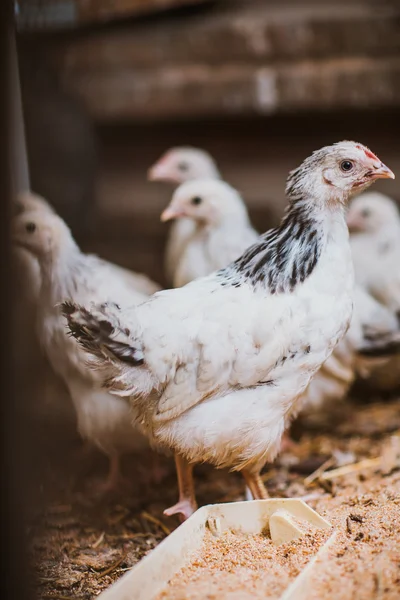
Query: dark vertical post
point(13, 176)
point(19, 158)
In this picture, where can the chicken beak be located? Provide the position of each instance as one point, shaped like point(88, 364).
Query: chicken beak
point(159, 172)
point(170, 213)
point(383, 172)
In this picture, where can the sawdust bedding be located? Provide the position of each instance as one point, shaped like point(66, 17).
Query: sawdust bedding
point(242, 566)
point(79, 545)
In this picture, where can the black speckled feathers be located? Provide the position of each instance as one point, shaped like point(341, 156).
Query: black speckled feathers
point(283, 257)
point(97, 335)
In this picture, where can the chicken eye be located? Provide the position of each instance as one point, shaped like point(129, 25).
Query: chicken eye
point(346, 165)
point(365, 212)
point(197, 200)
point(30, 227)
point(183, 166)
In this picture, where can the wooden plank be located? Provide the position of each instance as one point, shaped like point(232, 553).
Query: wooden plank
point(238, 59)
point(235, 32)
point(201, 90)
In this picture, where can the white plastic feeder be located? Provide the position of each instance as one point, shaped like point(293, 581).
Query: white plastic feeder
point(280, 516)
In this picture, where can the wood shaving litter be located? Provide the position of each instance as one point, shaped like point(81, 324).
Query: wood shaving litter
point(364, 562)
point(238, 566)
point(64, 522)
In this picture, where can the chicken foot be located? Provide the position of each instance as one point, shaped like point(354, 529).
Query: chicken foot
point(186, 504)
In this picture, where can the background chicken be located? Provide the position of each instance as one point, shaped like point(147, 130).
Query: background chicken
point(66, 272)
point(215, 369)
point(177, 165)
point(372, 325)
point(222, 227)
point(374, 223)
point(48, 400)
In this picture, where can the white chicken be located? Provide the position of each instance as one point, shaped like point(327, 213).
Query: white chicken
point(48, 396)
point(177, 165)
point(103, 419)
point(215, 369)
point(374, 223)
point(222, 227)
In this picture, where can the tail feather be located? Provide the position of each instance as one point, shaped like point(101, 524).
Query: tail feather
point(101, 334)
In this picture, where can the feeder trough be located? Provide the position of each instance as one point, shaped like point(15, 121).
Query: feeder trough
point(282, 518)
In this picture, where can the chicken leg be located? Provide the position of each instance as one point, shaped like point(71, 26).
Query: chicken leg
point(114, 481)
point(186, 504)
point(255, 485)
point(114, 477)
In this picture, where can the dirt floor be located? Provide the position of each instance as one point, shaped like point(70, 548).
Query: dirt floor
point(80, 544)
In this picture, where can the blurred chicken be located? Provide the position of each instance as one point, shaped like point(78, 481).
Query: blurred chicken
point(373, 326)
point(47, 399)
point(65, 272)
point(374, 223)
point(216, 368)
point(177, 165)
point(222, 227)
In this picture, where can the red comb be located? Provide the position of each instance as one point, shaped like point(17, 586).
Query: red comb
point(368, 153)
